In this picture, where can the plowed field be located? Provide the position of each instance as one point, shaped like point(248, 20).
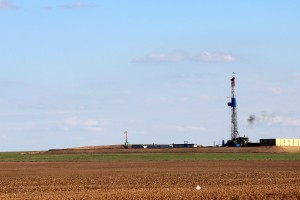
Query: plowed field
point(151, 180)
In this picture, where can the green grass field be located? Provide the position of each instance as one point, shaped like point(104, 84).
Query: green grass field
point(27, 157)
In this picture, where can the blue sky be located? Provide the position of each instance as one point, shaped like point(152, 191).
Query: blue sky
point(80, 73)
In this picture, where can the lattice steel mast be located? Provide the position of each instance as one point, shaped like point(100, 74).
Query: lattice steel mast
point(232, 104)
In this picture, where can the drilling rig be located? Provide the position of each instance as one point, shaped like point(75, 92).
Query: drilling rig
point(235, 140)
point(126, 139)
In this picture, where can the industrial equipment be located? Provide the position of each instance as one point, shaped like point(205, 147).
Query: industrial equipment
point(235, 140)
point(126, 139)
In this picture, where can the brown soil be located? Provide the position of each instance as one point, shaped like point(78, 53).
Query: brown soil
point(121, 149)
point(151, 180)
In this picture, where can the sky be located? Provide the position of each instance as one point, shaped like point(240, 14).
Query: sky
point(82, 72)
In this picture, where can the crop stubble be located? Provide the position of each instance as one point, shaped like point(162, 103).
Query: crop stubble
point(151, 180)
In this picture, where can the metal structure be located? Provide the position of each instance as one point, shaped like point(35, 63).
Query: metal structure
point(235, 140)
point(232, 104)
point(126, 138)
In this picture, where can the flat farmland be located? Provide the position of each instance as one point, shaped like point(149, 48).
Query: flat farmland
point(136, 179)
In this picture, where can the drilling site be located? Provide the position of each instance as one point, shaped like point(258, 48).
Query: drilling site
point(236, 140)
point(237, 143)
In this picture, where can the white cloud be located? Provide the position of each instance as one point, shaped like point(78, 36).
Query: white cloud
point(215, 57)
point(95, 125)
point(190, 128)
point(89, 125)
point(273, 119)
point(7, 5)
point(182, 56)
point(77, 5)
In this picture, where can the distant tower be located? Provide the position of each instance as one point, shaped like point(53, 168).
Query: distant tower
point(232, 104)
point(126, 138)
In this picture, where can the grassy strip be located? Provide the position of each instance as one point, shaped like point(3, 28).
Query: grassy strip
point(26, 157)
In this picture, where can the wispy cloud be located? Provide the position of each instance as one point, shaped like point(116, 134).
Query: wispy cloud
point(74, 123)
point(190, 129)
point(78, 5)
point(215, 57)
point(181, 56)
point(274, 119)
point(279, 119)
point(7, 5)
